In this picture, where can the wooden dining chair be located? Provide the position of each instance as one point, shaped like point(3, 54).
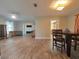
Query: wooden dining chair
point(75, 41)
point(58, 40)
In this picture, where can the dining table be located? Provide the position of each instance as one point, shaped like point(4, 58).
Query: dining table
point(68, 38)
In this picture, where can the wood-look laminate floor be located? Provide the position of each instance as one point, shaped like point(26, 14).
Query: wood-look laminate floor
point(28, 48)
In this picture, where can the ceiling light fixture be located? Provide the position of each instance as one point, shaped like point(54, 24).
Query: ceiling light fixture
point(60, 8)
point(59, 5)
point(13, 16)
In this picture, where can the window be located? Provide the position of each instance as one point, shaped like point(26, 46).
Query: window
point(10, 26)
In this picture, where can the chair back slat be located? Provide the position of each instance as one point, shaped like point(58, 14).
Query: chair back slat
point(57, 33)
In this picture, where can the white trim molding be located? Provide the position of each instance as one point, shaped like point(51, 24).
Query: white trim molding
point(42, 38)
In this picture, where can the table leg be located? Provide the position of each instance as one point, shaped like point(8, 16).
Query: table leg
point(75, 43)
point(68, 41)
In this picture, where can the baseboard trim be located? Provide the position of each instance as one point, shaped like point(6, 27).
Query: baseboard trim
point(42, 37)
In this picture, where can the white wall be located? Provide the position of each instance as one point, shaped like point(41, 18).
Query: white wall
point(71, 22)
point(20, 26)
point(43, 24)
point(71, 19)
point(63, 22)
point(42, 28)
point(2, 20)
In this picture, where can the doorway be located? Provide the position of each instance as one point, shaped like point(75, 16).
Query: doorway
point(54, 24)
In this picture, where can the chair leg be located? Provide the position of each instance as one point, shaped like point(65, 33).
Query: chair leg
point(64, 45)
point(75, 47)
point(61, 48)
point(53, 44)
